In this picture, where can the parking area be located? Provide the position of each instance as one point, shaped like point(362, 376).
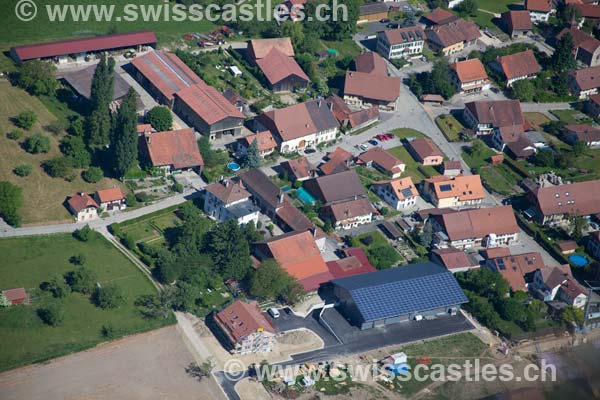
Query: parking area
point(146, 366)
point(288, 321)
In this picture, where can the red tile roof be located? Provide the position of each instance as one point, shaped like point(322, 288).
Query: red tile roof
point(452, 258)
point(349, 209)
point(538, 5)
point(355, 262)
point(112, 194)
point(79, 201)
point(355, 118)
point(591, 11)
point(587, 78)
point(166, 72)
point(277, 66)
point(469, 70)
point(454, 32)
point(208, 103)
point(240, 319)
point(400, 187)
point(264, 139)
point(299, 167)
point(384, 159)
point(519, 64)
point(369, 86)
point(440, 16)
point(567, 245)
point(259, 48)
point(517, 20)
point(498, 113)
point(581, 40)
point(370, 62)
point(177, 148)
point(15, 295)
point(479, 223)
point(228, 191)
point(463, 187)
point(514, 268)
point(337, 161)
point(425, 147)
point(403, 35)
point(584, 132)
point(579, 198)
point(296, 220)
point(90, 44)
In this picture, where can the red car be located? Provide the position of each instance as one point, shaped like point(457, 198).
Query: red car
point(381, 137)
point(390, 136)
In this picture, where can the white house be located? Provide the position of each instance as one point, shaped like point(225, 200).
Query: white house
point(539, 10)
point(111, 199)
point(399, 193)
point(229, 200)
point(83, 207)
point(401, 43)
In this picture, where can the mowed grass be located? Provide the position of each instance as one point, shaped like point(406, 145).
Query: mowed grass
point(450, 127)
point(536, 119)
point(571, 117)
point(43, 196)
point(150, 229)
point(27, 262)
point(412, 166)
point(16, 32)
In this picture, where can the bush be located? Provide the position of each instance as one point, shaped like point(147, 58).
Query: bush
point(58, 167)
point(74, 148)
point(92, 175)
point(160, 118)
point(131, 200)
point(37, 144)
point(84, 234)
point(367, 240)
point(115, 229)
point(142, 197)
point(297, 184)
point(26, 119)
point(108, 332)
point(82, 280)
point(56, 286)
point(78, 259)
point(52, 315)
point(177, 187)
point(109, 296)
point(128, 242)
point(76, 127)
point(15, 134)
point(23, 170)
point(55, 127)
point(11, 200)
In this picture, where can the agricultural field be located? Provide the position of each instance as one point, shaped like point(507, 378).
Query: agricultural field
point(43, 196)
point(28, 262)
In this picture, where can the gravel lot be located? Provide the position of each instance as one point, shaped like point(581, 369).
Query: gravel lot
point(146, 366)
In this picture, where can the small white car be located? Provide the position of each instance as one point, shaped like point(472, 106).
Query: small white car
point(274, 312)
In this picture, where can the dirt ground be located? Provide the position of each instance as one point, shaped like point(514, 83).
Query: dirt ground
point(252, 390)
point(147, 366)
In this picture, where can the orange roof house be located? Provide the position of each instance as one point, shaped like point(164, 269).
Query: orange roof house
point(425, 151)
point(553, 203)
point(111, 199)
point(298, 254)
point(459, 191)
point(83, 207)
point(522, 65)
point(470, 76)
point(299, 169)
point(173, 150)
point(365, 89)
point(454, 260)
point(338, 160)
point(517, 268)
point(265, 140)
point(400, 193)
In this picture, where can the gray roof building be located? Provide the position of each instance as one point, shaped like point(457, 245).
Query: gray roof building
point(337, 187)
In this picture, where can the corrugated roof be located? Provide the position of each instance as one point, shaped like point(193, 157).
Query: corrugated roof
point(397, 291)
point(74, 46)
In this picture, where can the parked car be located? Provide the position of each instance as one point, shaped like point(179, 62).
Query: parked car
point(393, 25)
point(374, 142)
point(274, 312)
point(309, 150)
point(364, 147)
point(381, 137)
point(384, 20)
point(390, 136)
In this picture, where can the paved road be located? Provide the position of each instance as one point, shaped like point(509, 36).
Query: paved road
point(99, 224)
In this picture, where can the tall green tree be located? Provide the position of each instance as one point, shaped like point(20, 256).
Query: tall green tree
point(160, 118)
point(271, 282)
point(252, 158)
point(99, 120)
point(11, 200)
point(562, 59)
point(37, 77)
point(124, 143)
point(230, 250)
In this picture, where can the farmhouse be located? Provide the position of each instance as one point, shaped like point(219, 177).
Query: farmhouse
point(275, 58)
point(518, 66)
point(586, 47)
point(400, 193)
point(425, 151)
point(460, 191)
point(348, 119)
point(81, 82)
point(111, 199)
point(539, 10)
point(483, 227)
point(469, 76)
point(366, 90)
point(555, 203)
point(244, 329)
point(517, 23)
point(299, 126)
point(401, 43)
point(584, 82)
point(418, 290)
point(452, 37)
point(211, 114)
point(172, 150)
point(229, 200)
point(383, 161)
point(83, 207)
point(486, 116)
point(80, 48)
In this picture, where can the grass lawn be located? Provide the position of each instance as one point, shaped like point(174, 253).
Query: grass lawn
point(479, 160)
point(377, 242)
point(412, 167)
point(450, 127)
point(150, 228)
point(447, 350)
point(27, 262)
point(16, 32)
point(495, 6)
point(571, 117)
point(404, 133)
point(495, 180)
point(536, 119)
point(43, 196)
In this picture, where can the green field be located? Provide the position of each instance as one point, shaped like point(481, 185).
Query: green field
point(450, 127)
point(151, 228)
point(447, 350)
point(412, 167)
point(404, 133)
point(378, 241)
point(27, 262)
point(571, 117)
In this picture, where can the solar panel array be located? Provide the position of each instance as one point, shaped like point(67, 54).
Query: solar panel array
point(445, 188)
point(401, 297)
point(406, 192)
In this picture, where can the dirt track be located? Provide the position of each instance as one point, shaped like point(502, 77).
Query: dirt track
point(147, 366)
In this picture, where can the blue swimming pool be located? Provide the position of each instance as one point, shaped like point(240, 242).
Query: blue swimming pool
point(578, 260)
point(233, 166)
point(304, 196)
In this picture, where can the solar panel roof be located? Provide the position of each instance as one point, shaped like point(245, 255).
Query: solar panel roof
point(445, 188)
point(402, 290)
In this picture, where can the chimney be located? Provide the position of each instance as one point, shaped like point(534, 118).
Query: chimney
point(280, 196)
point(226, 183)
point(319, 103)
point(314, 231)
point(330, 106)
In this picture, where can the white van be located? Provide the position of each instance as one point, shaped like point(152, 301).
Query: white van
point(274, 312)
